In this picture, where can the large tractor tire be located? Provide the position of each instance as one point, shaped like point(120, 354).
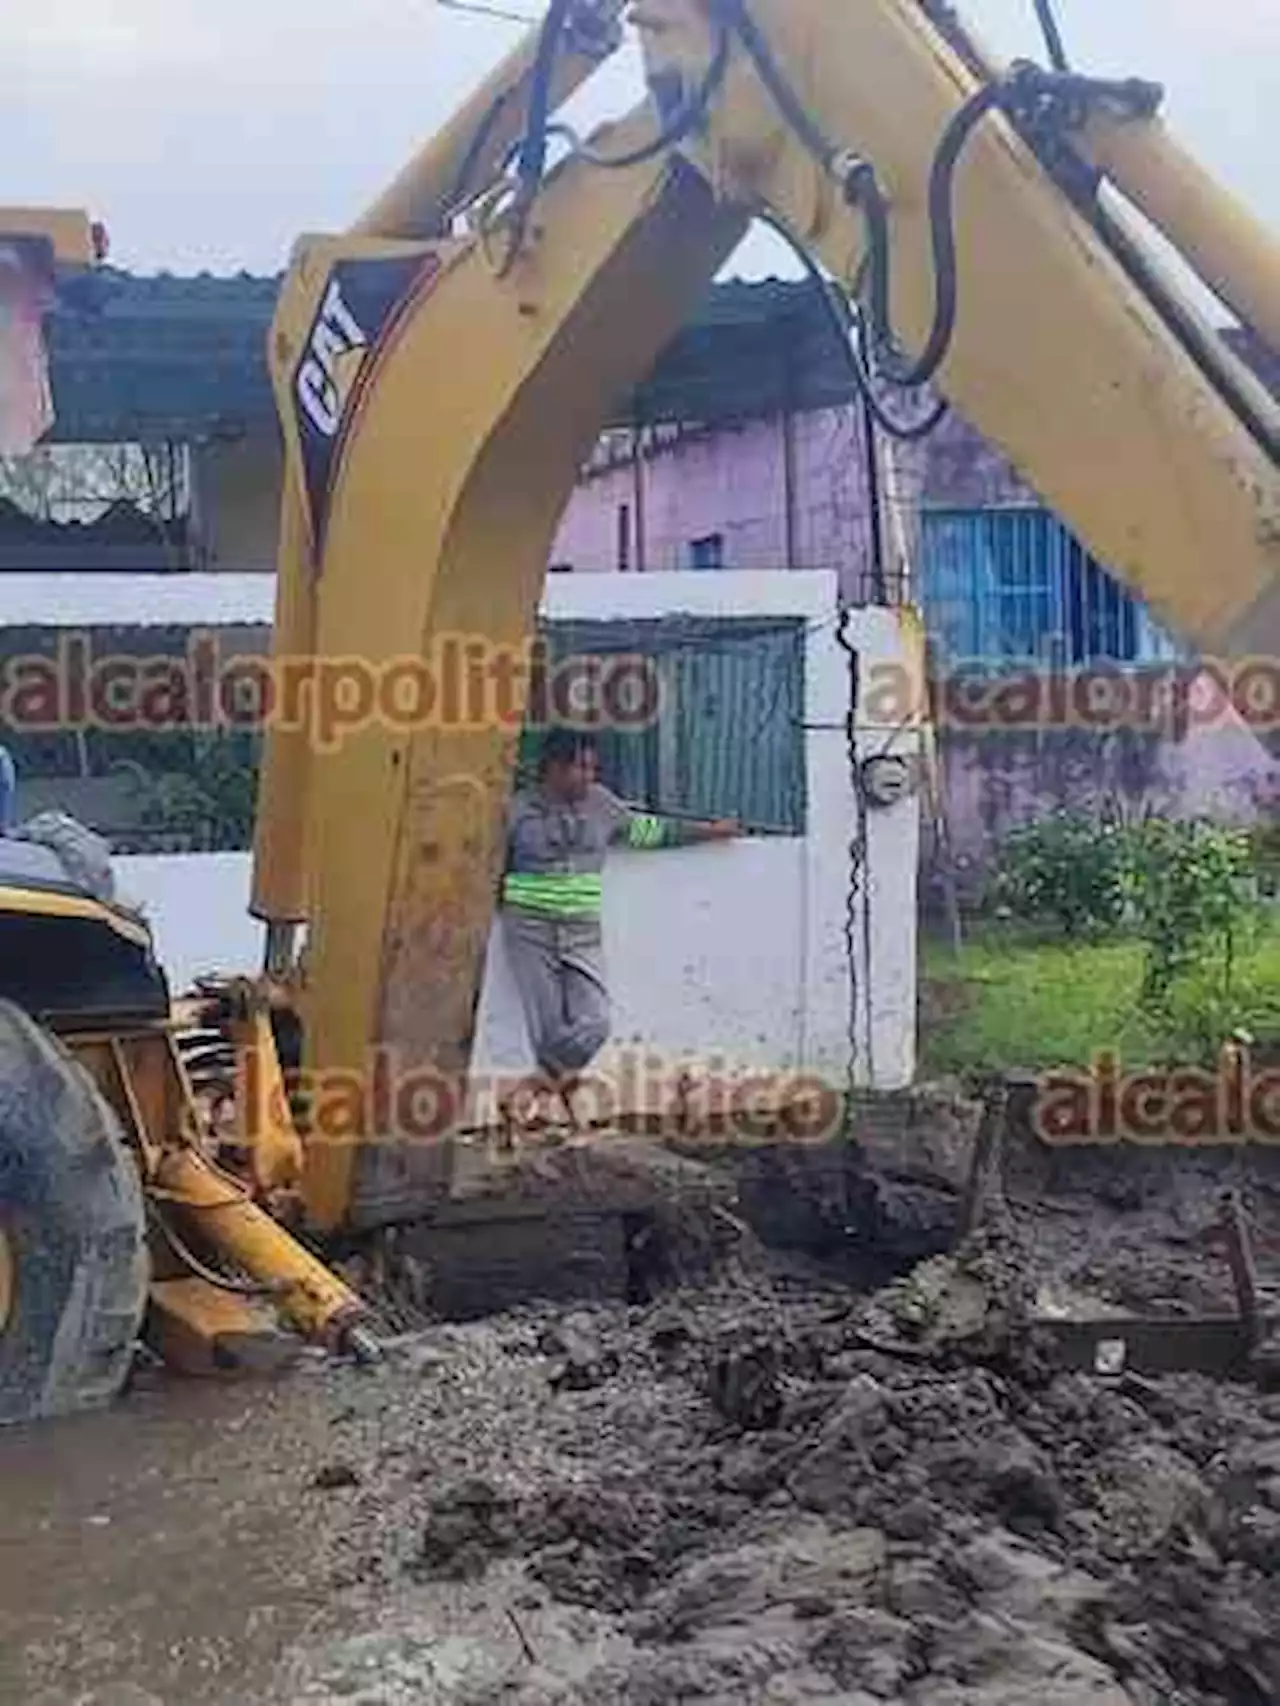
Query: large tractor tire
point(73, 1259)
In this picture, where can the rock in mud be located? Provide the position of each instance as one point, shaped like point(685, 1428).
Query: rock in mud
point(1147, 1496)
point(333, 1476)
point(468, 1525)
point(870, 1649)
point(1256, 1539)
point(977, 1301)
point(611, 1547)
point(743, 1388)
point(809, 1571)
point(1024, 1491)
point(1001, 1573)
point(835, 1471)
point(582, 1362)
point(998, 1663)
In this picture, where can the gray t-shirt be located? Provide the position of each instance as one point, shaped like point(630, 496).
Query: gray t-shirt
point(556, 849)
point(546, 835)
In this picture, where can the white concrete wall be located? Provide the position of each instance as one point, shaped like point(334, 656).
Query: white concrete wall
point(732, 956)
point(737, 952)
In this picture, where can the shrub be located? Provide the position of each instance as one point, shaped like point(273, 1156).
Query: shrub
point(211, 799)
point(1193, 895)
point(1066, 870)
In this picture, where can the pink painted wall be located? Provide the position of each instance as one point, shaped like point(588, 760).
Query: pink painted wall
point(993, 783)
point(732, 482)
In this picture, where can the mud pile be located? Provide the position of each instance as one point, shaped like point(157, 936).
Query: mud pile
point(779, 1492)
point(764, 1476)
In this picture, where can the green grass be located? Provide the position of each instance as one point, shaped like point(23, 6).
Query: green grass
point(1011, 1002)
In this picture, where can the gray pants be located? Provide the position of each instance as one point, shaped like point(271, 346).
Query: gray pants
point(558, 966)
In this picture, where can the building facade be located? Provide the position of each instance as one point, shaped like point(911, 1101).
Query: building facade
point(998, 576)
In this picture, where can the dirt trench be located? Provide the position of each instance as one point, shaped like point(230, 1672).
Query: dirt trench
point(763, 1476)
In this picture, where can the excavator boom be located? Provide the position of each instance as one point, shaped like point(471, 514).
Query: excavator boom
point(444, 369)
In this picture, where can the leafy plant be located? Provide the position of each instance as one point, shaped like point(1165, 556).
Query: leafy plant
point(1067, 870)
point(1201, 1011)
point(1193, 895)
point(226, 771)
point(211, 801)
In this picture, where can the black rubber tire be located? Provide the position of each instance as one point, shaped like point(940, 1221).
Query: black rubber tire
point(72, 1209)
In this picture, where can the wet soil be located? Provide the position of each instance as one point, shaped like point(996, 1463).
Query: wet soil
point(760, 1482)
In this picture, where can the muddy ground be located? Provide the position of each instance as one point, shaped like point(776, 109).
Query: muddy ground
point(765, 1478)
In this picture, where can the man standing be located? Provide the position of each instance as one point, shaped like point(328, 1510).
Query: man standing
point(559, 833)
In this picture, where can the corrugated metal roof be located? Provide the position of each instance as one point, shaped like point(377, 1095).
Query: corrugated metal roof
point(184, 358)
point(162, 357)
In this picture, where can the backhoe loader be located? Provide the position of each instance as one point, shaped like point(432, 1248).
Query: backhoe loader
point(982, 234)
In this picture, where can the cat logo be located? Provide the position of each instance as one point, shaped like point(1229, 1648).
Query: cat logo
point(335, 351)
point(366, 302)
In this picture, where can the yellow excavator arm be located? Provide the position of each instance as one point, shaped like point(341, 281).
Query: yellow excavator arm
point(443, 370)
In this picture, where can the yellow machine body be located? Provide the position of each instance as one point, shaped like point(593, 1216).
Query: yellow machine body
point(213, 1207)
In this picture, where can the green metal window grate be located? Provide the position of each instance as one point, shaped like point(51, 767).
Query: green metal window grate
point(728, 739)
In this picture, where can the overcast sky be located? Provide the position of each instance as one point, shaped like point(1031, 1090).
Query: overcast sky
point(209, 135)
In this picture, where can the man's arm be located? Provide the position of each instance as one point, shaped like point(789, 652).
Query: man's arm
point(687, 832)
point(648, 831)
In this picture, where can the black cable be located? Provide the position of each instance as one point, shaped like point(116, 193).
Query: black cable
point(681, 124)
point(565, 131)
point(531, 151)
point(532, 160)
point(1016, 94)
point(875, 504)
point(484, 131)
point(905, 434)
point(475, 152)
point(534, 149)
point(1019, 94)
point(865, 194)
point(942, 234)
point(857, 850)
point(220, 1282)
point(685, 122)
point(784, 96)
point(686, 119)
point(836, 311)
point(1054, 44)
